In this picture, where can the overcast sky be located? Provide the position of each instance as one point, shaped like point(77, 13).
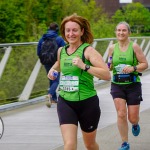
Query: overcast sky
point(125, 1)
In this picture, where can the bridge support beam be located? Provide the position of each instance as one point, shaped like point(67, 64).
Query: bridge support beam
point(30, 84)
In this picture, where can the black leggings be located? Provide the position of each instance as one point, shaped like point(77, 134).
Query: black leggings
point(132, 93)
point(86, 112)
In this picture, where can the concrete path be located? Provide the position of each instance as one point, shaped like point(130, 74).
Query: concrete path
point(36, 127)
point(108, 135)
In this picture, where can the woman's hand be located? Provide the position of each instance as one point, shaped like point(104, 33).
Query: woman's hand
point(128, 69)
point(50, 74)
point(77, 61)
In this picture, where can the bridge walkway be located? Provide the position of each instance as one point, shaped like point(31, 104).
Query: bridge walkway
point(36, 127)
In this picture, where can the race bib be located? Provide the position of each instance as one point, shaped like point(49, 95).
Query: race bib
point(69, 83)
point(120, 67)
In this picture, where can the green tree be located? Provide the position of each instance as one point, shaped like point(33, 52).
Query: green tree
point(11, 21)
point(136, 15)
point(100, 24)
point(27, 20)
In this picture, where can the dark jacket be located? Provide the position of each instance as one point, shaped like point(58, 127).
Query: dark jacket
point(52, 34)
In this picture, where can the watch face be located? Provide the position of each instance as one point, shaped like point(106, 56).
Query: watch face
point(87, 67)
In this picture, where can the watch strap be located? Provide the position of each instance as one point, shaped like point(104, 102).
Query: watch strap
point(135, 68)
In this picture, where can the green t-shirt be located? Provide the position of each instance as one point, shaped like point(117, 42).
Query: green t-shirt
point(120, 59)
point(75, 83)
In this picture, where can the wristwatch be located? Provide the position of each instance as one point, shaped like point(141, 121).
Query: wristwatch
point(87, 67)
point(135, 68)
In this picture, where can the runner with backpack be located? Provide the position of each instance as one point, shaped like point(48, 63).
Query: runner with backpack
point(47, 53)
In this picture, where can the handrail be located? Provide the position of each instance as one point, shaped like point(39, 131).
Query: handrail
point(18, 44)
point(35, 43)
point(31, 80)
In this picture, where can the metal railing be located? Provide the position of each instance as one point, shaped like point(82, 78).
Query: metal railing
point(99, 44)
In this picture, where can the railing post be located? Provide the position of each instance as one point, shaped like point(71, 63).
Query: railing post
point(147, 48)
point(94, 44)
point(106, 52)
point(4, 60)
point(142, 43)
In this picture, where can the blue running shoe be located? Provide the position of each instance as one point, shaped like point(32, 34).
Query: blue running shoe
point(135, 130)
point(125, 146)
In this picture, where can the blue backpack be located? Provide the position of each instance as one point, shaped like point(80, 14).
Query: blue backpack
point(48, 53)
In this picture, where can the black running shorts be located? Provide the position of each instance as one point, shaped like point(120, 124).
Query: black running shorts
point(132, 93)
point(86, 112)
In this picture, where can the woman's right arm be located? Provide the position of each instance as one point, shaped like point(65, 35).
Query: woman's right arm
point(56, 66)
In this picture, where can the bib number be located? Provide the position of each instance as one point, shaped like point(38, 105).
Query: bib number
point(69, 83)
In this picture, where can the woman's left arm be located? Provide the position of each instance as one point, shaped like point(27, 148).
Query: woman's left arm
point(99, 68)
point(143, 64)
